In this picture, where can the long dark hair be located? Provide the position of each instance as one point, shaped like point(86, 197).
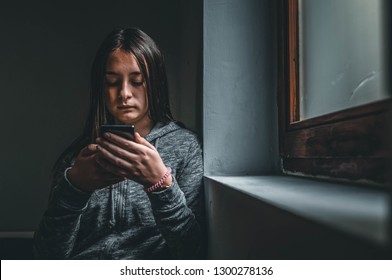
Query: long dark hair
point(152, 66)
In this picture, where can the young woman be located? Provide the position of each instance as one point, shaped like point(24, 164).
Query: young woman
point(113, 198)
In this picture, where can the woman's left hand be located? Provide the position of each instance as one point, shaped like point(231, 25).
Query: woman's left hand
point(137, 160)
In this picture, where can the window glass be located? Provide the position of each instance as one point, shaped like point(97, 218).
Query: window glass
point(341, 54)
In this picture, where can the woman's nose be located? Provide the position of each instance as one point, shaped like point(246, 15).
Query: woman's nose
point(125, 92)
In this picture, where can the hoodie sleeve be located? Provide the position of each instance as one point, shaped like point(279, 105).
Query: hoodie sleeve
point(179, 210)
point(57, 232)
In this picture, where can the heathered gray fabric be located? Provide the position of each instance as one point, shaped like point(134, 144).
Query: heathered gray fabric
point(123, 221)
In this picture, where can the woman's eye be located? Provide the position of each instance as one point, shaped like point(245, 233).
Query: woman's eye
point(110, 83)
point(137, 84)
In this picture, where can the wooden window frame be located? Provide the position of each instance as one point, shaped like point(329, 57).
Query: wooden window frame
point(350, 145)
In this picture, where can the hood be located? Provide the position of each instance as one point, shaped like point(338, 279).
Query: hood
point(161, 129)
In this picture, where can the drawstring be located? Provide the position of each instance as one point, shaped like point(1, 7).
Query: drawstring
point(112, 221)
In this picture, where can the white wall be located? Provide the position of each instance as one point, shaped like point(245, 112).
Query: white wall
point(240, 104)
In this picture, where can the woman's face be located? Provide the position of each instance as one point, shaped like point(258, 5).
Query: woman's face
point(125, 90)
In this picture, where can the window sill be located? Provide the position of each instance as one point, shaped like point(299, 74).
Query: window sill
point(351, 209)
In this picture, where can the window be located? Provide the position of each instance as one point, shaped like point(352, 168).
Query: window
point(348, 140)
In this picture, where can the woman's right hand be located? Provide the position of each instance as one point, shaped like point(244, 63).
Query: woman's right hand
point(87, 175)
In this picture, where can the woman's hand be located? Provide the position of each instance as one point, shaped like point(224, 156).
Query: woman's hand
point(86, 174)
point(137, 160)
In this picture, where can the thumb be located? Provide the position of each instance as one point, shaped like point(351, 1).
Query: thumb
point(143, 141)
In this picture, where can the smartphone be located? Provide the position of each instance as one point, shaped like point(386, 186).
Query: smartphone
point(125, 131)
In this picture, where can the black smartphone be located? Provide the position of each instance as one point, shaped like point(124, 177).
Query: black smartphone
point(125, 131)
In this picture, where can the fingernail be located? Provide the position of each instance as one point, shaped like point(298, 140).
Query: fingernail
point(107, 135)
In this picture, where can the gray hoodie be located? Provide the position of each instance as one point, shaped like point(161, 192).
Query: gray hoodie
point(123, 221)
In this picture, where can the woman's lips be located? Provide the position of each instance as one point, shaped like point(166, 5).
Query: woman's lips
point(126, 107)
